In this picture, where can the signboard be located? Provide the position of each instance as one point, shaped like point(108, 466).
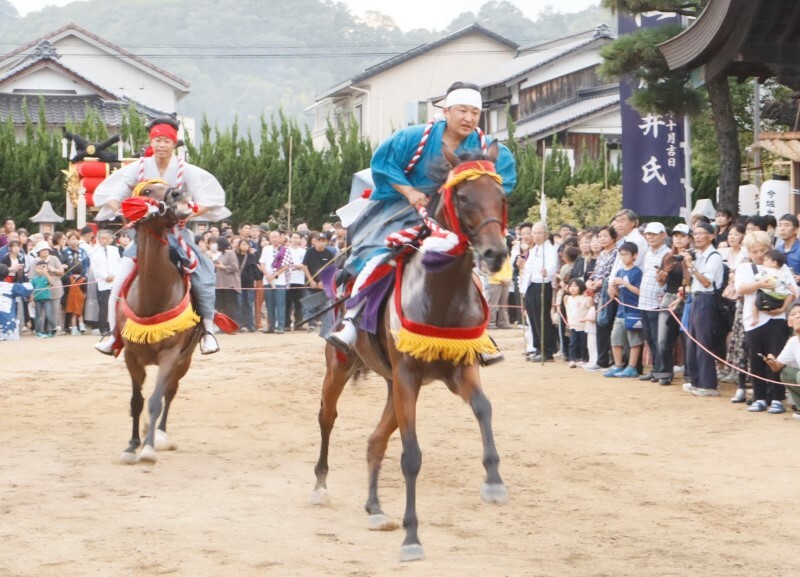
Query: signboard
point(653, 159)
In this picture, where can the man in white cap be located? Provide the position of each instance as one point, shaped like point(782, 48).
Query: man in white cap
point(651, 292)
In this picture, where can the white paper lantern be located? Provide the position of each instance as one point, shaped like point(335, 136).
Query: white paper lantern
point(775, 197)
point(748, 199)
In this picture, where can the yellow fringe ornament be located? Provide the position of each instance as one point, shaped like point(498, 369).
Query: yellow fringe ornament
point(138, 333)
point(428, 349)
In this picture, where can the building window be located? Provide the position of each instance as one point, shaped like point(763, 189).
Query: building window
point(358, 113)
point(416, 112)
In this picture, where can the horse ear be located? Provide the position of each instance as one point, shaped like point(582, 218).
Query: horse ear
point(493, 151)
point(449, 156)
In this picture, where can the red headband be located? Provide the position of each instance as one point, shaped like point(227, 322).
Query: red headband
point(164, 130)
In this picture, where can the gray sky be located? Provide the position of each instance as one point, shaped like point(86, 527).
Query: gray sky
point(407, 14)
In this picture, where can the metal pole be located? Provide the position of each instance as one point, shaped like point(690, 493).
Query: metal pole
point(757, 174)
point(541, 300)
point(687, 170)
point(289, 202)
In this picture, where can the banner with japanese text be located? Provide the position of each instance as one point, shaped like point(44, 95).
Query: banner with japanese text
point(653, 157)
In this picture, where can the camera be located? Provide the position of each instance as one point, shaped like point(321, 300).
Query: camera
point(679, 257)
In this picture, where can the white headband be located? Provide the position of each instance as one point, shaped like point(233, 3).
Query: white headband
point(467, 96)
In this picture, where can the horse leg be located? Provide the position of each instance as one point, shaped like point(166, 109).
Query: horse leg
point(162, 442)
point(405, 395)
point(137, 373)
point(166, 379)
point(336, 377)
point(376, 449)
point(469, 388)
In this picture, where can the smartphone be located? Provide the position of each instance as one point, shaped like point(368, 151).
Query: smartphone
point(762, 356)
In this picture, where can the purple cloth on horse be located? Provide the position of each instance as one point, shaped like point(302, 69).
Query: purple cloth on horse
point(374, 294)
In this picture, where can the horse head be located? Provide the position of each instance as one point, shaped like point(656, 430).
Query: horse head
point(473, 205)
point(158, 204)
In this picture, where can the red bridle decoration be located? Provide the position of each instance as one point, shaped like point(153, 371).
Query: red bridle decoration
point(470, 170)
point(136, 208)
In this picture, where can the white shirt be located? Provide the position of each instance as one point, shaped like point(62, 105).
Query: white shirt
point(790, 355)
point(540, 256)
point(709, 264)
point(297, 276)
point(267, 257)
point(202, 185)
point(745, 275)
point(104, 262)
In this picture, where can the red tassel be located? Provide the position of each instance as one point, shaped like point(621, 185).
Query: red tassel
point(225, 323)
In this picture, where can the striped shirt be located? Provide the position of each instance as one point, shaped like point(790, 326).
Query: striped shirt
point(650, 292)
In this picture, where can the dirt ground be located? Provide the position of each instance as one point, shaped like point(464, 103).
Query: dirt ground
point(607, 477)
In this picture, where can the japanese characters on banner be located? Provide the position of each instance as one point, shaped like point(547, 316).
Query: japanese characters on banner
point(653, 157)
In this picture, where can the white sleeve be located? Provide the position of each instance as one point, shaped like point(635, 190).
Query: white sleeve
point(206, 191)
point(117, 186)
point(788, 355)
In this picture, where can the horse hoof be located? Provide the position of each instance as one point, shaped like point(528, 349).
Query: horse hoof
point(163, 443)
point(494, 493)
point(128, 457)
point(320, 497)
point(148, 454)
point(411, 553)
point(381, 523)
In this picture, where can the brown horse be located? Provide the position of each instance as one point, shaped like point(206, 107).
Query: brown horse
point(156, 289)
point(447, 299)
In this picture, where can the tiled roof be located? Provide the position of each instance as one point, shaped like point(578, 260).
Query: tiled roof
point(61, 109)
point(49, 61)
point(562, 117)
point(532, 57)
point(417, 51)
point(100, 41)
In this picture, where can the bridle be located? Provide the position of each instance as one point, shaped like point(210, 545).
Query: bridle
point(470, 170)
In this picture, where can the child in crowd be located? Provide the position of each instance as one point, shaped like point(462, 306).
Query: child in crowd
point(590, 328)
point(625, 287)
point(775, 268)
point(577, 305)
point(9, 293)
point(41, 281)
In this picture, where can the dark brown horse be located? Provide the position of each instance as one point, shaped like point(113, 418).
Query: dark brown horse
point(156, 291)
point(446, 299)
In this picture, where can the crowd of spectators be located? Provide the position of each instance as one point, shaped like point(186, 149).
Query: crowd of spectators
point(707, 300)
point(59, 284)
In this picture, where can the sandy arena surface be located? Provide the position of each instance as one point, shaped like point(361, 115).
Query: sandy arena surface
point(607, 477)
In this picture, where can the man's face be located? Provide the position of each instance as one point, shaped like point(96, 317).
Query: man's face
point(702, 238)
point(538, 234)
point(793, 319)
point(244, 230)
point(73, 241)
point(462, 119)
point(320, 243)
point(275, 238)
point(786, 230)
point(654, 240)
point(623, 225)
point(9, 226)
point(104, 239)
point(162, 147)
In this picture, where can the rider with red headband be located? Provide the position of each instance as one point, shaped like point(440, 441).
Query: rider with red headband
point(160, 162)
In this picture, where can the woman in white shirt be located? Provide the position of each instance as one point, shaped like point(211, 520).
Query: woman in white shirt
point(765, 333)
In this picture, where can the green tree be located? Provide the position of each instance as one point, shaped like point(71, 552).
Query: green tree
point(583, 205)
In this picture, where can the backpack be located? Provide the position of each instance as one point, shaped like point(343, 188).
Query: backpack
point(726, 308)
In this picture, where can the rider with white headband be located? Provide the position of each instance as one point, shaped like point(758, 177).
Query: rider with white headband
point(160, 162)
point(401, 174)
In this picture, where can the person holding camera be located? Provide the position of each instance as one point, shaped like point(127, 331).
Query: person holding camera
point(705, 268)
point(673, 276)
